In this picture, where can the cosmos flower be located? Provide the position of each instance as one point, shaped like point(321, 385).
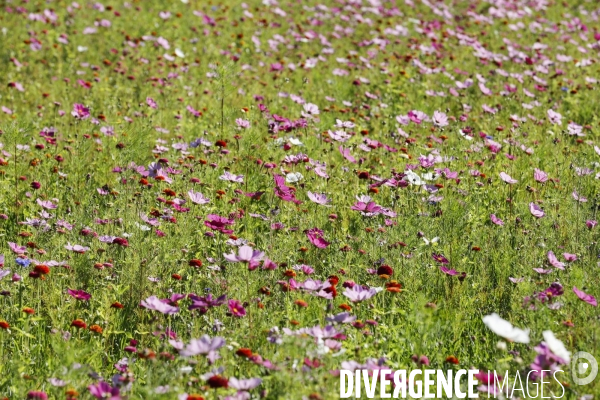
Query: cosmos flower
point(359, 293)
point(154, 303)
point(236, 308)
point(79, 294)
point(505, 329)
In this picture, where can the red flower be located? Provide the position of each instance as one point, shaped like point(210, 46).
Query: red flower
point(195, 263)
point(244, 352)
point(116, 304)
point(78, 323)
point(4, 324)
point(217, 381)
point(42, 269)
point(385, 270)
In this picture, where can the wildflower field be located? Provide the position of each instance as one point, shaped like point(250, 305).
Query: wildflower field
point(237, 200)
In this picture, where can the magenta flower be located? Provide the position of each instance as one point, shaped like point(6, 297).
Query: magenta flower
point(104, 391)
point(496, 220)
point(590, 223)
point(366, 206)
point(236, 308)
point(448, 271)
point(218, 223)
point(154, 303)
point(79, 294)
point(535, 210)
point(37, 395)
point(588, 298)
point(315, 236)
point(80, 111)
point(284, 192)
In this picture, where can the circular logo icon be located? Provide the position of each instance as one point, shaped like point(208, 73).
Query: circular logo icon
point(584, 368)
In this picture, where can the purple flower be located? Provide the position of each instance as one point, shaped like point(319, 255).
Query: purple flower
point(218, 223)
point(79, 294)
point(80, 111)
point(236, 308)
point(359, 293)
point(104, 391)
point(154, 303)
point(205, 302)
point(315, 236)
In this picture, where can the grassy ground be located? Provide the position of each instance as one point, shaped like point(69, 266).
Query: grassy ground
point(156, 77)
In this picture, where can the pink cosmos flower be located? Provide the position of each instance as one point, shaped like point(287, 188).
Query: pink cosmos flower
point(496, 220)
point(15, 248)
point(197, 197)
point(554, 261)
point(206, 346)
point(358, 293)
point(104, 391)
point(588, 298)
point(151, 103)
point(554, 117)
point(236, 308)
point(346, 154)
point(218, 223)
point(76, 248)
point(318, 198)
point(506, 178)
point(570, 257)
point(540, 175)
point(48, 205)
point(242, 123)
point(440, 119)
point(535, 210)
point(80, 111)
point(154, 303)
point(79, 294)
point(315, 236)
point(246, 254)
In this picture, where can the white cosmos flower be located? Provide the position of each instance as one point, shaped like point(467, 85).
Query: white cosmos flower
point(505, 329)
point(556, 346)
point(179, 53)
point(293, 177)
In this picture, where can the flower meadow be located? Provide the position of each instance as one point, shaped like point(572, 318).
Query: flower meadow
point(237, 200)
